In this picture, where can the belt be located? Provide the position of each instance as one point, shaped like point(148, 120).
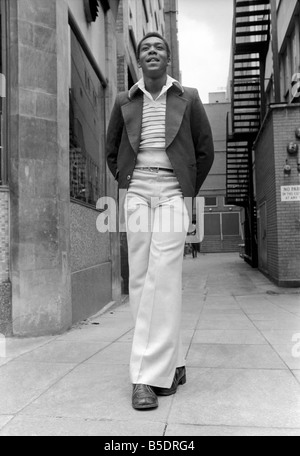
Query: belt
point(155, 169)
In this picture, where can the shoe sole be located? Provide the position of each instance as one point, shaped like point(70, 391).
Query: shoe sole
point(145, 407)
point(170, 392)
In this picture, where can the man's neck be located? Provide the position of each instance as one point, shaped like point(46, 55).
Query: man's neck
point(155, 85)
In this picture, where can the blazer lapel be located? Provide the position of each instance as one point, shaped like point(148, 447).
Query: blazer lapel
point(133, 116)
point(176, 107)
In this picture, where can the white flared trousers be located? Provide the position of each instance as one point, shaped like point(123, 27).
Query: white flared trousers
point(157, 222)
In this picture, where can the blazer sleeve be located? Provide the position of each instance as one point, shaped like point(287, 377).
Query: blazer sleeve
point(113, 138)
point(203, 141)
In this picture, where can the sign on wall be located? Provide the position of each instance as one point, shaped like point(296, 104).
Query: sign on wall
point(290, 193)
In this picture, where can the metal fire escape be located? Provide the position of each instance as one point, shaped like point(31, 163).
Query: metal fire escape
point(251, 37)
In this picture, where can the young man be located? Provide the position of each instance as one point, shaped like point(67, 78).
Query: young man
point(160, 149)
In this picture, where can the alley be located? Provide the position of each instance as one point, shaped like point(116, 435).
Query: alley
point(240, 333)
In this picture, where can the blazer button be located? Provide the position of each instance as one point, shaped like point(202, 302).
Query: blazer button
point(129, 178)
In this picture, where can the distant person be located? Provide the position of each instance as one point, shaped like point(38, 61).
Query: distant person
point(160, 149)
point(194, 246)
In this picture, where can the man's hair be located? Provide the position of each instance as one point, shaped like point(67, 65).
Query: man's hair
point(155, 35)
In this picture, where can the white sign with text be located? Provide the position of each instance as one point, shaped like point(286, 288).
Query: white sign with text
point(290, 193)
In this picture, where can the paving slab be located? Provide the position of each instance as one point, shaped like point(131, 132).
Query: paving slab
point(97, 333)
point(70, 427)
point(61, 351)
point(223, 323)
point(238, 337)
point(16, 347)
point(4, 419)
point(117, 353)
point(243, 398)
point(228, 431)
point(281, 337)
point(291, 359)
point(297, 374)
point(290, 324)
point(95, 392)
point(234, 356)
point(5, 361)
point(23, 382)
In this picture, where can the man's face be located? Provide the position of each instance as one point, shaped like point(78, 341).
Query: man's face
point(154, 57)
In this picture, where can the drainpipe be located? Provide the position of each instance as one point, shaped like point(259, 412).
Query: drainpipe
point(275, 51)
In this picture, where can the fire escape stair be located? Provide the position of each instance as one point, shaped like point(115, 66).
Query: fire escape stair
point(251, 40)
point(237, 173)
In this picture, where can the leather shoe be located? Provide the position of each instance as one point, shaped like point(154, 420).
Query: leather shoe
point(179, 379)
point(144, 398)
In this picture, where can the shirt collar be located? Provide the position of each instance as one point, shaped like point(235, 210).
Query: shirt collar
point(140, 85)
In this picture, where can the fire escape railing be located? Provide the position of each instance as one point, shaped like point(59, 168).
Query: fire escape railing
point(251, 36)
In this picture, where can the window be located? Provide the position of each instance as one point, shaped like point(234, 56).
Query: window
point(3, 157)
point(87, 158)
point(211, 201)
point(231, 224)
point(222, 224)
point(212, 226)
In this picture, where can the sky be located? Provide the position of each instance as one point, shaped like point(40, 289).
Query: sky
point(205, 31)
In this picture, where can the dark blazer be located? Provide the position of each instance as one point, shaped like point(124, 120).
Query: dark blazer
point(189, 142)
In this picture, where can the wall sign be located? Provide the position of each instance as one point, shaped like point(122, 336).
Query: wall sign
point(290, 193)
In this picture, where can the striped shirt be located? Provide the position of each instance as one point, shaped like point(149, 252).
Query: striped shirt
point(152, 151)
point(154, 123)
point(154, 117)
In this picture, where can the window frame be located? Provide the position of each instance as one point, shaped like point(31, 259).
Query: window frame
point(211, 205)
point(104, 83)
point(222, 235)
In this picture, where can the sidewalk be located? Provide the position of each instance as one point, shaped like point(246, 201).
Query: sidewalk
point(242, 376)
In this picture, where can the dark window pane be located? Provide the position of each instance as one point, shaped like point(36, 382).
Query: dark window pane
point(87, 162)
point(231, 224)
point(212, 226)
point(210, 201)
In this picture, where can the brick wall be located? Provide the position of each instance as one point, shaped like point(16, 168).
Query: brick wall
point(285, 121)
point(5, 287)
point(266, 193)
point(283, 226)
